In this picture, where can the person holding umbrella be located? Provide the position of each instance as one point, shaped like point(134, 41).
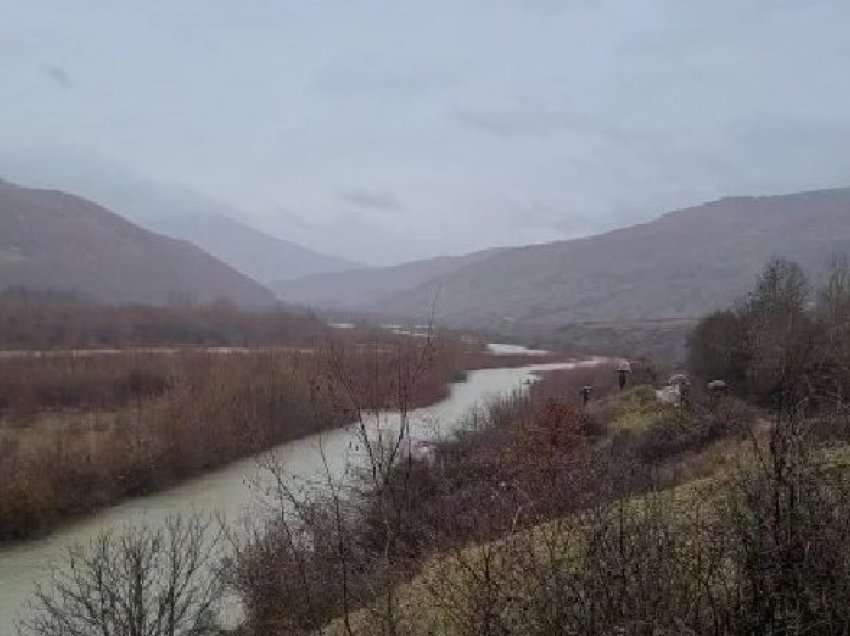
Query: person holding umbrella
point(585, 395)
point(623, 371)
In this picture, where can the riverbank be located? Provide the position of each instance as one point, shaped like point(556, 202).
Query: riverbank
point(530, 505)
point(480, 472)
point(631, 517)
point(230, 490)
point(79, 433)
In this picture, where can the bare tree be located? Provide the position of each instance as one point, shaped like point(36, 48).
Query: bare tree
point(142, 581)
point(337, 544)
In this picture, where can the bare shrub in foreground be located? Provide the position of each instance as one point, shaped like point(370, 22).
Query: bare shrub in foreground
point(140, 582)
point(764, 550)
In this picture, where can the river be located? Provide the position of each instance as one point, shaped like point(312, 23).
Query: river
point(227, 491)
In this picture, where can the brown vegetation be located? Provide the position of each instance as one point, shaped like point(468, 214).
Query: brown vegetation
point(783, 342)
point(546, 516)
point(346, 548)
point(543, 517)
point(204, 411)
point(77, 433)
point(45, 320)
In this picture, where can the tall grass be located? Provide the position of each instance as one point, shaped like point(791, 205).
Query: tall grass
point(80, 433)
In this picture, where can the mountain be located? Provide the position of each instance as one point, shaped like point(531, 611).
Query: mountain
point(54, 240)
point(262, 257)
point(681, 265)
point(367, 288)
point(636, 290)
point(172, 209)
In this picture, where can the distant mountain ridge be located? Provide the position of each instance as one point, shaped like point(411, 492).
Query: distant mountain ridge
point(263, 257)
point(681, 265)
point(50, 239)
point(172, 209)
point(367, 288)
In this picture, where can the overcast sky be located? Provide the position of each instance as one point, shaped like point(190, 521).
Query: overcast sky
point(385, 131)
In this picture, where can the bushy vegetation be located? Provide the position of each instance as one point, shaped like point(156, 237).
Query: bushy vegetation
point(724, 515)
point(630, 516)
point(77, 433)
point(140, 581)
point(784, 342)
point(206, 410)
point(31, 319)
point(347, 547)
point(29, 385)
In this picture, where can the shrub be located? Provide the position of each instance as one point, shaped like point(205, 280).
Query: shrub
point(157, 582)
point(678, 431)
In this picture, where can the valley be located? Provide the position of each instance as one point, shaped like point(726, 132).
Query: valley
point(231, 491)
point(406, 443)
point(425, 319)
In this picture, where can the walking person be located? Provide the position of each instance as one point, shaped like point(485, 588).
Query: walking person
point(585, 395)
point(623, 371)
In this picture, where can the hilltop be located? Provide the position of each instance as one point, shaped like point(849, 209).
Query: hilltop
point(50, 239)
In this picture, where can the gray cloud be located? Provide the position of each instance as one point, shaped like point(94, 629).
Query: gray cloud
point(517, 123)
point(377, 80)
point(554, 219)
point(514, 123)
point(59, 76)
point(504, 120)
point(372, 199)
point(299, 222)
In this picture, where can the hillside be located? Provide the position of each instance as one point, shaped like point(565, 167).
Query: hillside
point(681, 265)
point(51, 239)
point(366, 288)
point(259, 255)
point(173, 209)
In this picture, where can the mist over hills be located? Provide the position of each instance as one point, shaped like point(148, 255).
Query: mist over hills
point(170, 209)
point(214, 227)
point(261, 256)
point(681, 265)
point(50, 239)
point(647, 278)
point(368, 288)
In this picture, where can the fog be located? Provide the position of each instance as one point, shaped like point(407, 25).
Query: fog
point(386, 131)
